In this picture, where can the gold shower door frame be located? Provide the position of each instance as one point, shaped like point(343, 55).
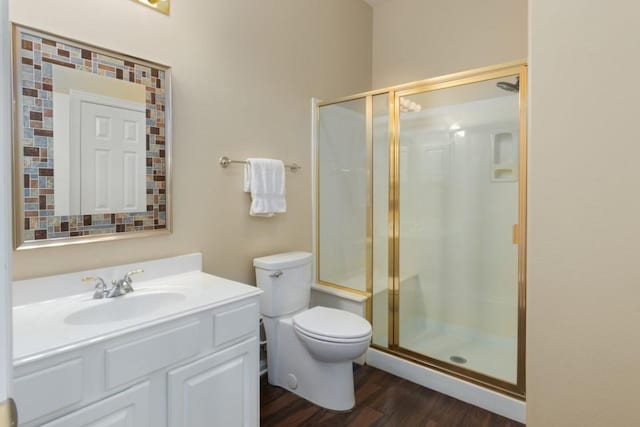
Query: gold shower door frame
point(520, 230)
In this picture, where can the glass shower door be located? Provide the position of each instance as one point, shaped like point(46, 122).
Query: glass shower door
point(342, 194)
point(457, 259)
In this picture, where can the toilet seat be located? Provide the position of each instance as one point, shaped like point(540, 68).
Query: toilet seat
point(332, 339)
point(332, 325)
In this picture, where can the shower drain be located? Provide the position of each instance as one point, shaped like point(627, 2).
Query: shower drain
point(458, 359)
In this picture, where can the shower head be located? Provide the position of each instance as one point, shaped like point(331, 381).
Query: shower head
point(511, 87)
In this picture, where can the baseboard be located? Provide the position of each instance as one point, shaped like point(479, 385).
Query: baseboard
point(462, 390)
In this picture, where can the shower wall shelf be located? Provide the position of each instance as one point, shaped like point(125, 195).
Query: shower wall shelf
point(504, 156)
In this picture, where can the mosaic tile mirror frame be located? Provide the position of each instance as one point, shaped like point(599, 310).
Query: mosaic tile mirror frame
point(91, 143)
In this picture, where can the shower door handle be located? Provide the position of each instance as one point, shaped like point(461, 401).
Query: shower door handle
point(516, 234)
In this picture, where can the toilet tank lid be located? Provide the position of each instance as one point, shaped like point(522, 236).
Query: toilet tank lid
point(284, 260)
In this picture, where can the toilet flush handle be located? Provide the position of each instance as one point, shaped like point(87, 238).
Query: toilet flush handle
point(276, 274)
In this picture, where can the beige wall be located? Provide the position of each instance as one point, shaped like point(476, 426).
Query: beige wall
point(584, 282)
point(243, 75)
point(417, 39)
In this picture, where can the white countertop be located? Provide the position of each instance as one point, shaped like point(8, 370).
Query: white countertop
point(40, 330)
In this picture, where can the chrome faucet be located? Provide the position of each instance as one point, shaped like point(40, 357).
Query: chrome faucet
point(123, 286)
point(101, 287)
point(118, 287)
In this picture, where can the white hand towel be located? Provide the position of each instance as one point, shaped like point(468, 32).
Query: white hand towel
point(265, 180)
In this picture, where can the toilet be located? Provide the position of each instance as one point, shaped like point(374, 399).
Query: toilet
point(309, 350)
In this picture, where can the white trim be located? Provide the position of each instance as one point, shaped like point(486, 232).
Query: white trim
point(5, 205)
point(462, 390)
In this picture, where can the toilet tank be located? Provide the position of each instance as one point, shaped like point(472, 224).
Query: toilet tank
point(286, 281)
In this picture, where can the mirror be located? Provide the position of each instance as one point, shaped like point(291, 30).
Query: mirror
point(91, 143)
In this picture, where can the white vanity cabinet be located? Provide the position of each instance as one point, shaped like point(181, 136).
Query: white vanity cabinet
point(196, 369)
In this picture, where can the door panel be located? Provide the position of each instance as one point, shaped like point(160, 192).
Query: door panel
point(113, 159)
point(342, 194)
point(459, 201)
point(219, 390)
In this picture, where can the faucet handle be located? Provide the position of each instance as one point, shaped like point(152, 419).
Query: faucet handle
point(126, 280)
point(101, 287)
point(138, 271)
point(127, 276)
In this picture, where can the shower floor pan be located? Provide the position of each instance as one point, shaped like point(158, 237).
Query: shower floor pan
point(491, 355)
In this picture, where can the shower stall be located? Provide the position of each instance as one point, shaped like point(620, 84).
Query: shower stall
point(421, 206)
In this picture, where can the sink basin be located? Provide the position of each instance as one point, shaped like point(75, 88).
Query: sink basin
point(122, 308)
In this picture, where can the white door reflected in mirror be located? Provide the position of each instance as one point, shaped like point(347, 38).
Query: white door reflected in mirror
point(112, 159)
point(99, 140)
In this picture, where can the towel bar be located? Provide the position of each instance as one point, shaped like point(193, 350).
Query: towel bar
point(225, 161)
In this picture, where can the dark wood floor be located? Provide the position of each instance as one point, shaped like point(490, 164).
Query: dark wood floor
point(382, 399)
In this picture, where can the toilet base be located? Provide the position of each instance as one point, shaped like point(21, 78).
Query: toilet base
point(290, 366)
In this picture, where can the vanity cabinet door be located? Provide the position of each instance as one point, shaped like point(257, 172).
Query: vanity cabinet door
point(218, 390)
point(129, 408)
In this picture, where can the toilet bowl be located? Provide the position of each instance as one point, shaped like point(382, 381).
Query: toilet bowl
point(309, 350)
